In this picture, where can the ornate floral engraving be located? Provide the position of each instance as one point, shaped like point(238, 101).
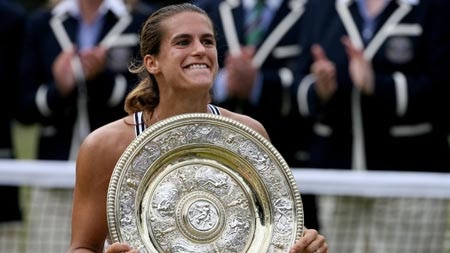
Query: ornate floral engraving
point(194, 202)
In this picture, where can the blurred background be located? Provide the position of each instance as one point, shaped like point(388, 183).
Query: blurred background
point(26, 140)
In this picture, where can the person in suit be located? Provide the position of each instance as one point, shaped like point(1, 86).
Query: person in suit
point(178, 48)
point(258, 47)
point(74, 79)
point(376, 90)
point(12, 21)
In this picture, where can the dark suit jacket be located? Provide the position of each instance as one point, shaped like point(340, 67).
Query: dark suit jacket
point(274, 107)
point(11, 30)
point(404, 123)
point(41, 50)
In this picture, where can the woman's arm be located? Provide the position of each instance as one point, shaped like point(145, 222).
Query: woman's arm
point(95, 163)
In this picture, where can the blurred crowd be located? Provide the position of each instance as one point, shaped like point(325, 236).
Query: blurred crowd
point(340, 84)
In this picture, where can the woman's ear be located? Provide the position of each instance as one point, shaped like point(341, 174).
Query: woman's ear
point(151, 64)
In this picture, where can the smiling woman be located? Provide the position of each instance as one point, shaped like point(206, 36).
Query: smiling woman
point(171, 54)
point(186, 60)
point(179, 65)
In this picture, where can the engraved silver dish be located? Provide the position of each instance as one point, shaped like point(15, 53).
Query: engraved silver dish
point(203, 183)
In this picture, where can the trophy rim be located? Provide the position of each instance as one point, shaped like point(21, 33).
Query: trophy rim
point(121, 178)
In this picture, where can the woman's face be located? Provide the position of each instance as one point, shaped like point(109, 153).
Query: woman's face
point(188, 54)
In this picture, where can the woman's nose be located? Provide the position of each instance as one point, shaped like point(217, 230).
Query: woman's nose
point(199, 48)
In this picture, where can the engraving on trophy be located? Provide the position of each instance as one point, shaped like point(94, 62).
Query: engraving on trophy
point(214, 181)
point(202, 215)
point(232, 141)
point(238, 201)
point(171, 140)
point(150, 153)
point(283, 212)
point(183, 247)
point(210, 185)
point(165, 199)
point(207, 133)
point(238, 225)
point(127, 219)
point(238, 233)
point(249, 150)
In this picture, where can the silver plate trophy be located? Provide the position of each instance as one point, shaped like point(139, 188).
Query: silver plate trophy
point(203, 183)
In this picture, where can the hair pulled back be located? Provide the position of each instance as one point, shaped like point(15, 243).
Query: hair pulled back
point(145, 97)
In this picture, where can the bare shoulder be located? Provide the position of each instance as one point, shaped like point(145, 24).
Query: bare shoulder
point(111, 136)
point(104, 146)
point(246, 120)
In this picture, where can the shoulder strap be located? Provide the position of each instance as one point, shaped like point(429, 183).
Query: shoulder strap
point(214, 109)
point(139, 125)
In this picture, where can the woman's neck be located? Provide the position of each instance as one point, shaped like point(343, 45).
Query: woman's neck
point(170, 108)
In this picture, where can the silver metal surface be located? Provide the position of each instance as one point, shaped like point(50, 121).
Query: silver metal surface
point(203, 183)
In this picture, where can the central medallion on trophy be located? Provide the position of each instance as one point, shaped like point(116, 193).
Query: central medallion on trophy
point(200, 217)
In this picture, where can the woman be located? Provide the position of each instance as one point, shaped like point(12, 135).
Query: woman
point(178, 49)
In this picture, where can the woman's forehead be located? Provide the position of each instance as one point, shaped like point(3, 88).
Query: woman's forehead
point(189, 21)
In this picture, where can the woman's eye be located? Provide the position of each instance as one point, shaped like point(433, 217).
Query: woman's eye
point(183, 42)
point(208, 42)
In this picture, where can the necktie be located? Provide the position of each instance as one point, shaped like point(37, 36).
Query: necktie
point(254, 29)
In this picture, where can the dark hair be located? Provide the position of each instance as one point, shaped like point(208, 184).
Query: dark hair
point(145, 97)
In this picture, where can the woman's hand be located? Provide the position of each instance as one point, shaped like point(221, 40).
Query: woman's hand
point(310, 242)
point(120, 248)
